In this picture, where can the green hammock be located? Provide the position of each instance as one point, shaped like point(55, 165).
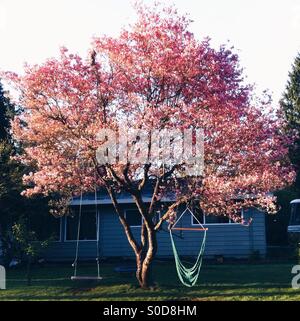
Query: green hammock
point(188, 276)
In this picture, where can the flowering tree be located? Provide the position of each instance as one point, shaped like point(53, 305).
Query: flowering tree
point(154, 75)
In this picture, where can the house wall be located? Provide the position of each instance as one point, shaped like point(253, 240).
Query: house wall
point(229, 240)
point(1, 253)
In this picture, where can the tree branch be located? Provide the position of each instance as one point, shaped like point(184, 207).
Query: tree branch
point(127, 229)
point(157, 186)
point(145, 177)
point(169, 211)
point(123, 221)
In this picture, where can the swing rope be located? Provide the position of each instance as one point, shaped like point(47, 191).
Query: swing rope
point(188, 276)
point(97, 218)
point(78, 236)
point(98, 236)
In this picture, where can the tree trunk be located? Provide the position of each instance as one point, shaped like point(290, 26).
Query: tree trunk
point(145, 252)
point(139, 266)
point(144, 261)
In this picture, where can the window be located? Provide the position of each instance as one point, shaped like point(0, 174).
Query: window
point(133, 218)
point(295, 215)
point(213, 219)
point(88, 226)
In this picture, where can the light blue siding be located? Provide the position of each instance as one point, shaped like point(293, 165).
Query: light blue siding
point(229, 240)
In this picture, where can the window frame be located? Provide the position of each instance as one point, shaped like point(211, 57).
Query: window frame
point(204, 221)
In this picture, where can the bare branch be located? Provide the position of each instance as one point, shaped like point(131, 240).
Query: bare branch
point(157, 186)
point(123, 221)
point(125, 174)
point(145, 177)
point(169, 211)
point(116, 177)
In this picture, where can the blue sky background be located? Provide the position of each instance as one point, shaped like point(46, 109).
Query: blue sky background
point(265, 33)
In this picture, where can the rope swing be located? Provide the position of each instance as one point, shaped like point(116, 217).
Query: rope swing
point(188, 276)
point(97, 218)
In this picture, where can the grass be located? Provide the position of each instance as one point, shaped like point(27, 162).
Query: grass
point(217, 282)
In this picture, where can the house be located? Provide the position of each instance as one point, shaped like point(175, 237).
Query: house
point(224, 237)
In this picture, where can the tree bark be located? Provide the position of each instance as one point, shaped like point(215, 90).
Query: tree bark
point(144, 261)
point(146, 273)
point(145, 251)
point(149, 248)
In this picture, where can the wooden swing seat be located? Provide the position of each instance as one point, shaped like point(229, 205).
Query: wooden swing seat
point(86, 278)
point(189, 228)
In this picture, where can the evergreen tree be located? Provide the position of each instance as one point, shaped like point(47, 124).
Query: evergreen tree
point(290, 104)
point(13, 206)
point(276, 226)
point(6, 114)
point(10, 172)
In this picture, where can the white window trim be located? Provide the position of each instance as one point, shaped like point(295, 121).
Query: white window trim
point(204, 221)
point(133, 209)
point(65, 236)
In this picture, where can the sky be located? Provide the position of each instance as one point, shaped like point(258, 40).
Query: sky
point(264, 33)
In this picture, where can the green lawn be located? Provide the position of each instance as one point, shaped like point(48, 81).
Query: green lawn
point(217, 282)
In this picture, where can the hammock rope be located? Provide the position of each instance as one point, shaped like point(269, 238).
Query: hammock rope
point(188, 275)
